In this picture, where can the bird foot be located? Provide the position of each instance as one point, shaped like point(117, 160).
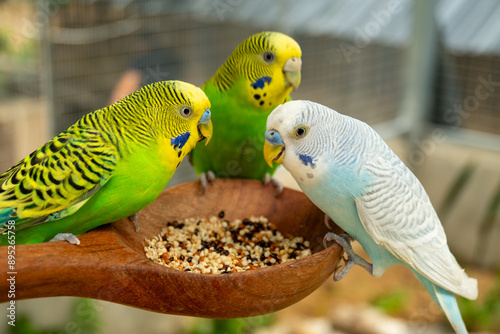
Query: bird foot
point(344, 240)
point(135, 219)
point(205, 178)
point(69, 237)
point(277, 184)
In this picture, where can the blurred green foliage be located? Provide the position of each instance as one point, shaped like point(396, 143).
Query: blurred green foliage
point(392, 302)
point(84, 319)
point(232, 326)
point(19, 58)
point(21, 49)
point(485, 315)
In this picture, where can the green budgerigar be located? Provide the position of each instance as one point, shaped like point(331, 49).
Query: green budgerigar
point(257, 77)
point(109, 165)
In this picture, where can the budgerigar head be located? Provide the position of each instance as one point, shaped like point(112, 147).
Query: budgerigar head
point(299, 135)
point(265, 67)
point(175, 113)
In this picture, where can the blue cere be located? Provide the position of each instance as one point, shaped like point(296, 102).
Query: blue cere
point(180, 140)
point(306, 159)
point(260, 82)
point(273, 137)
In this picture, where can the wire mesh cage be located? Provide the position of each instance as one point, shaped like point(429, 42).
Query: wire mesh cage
point(467, 92)
point(92, 45)
point(355, 66)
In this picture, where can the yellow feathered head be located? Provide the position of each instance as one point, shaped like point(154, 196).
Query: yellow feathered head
point(175, 111)
point(264, 68)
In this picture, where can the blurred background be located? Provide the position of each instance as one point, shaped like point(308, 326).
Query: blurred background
point(425, 74)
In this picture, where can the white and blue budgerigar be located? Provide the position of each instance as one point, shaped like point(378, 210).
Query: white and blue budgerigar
point(350, 173)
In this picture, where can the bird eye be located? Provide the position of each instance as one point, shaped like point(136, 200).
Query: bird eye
point(300, 131)
point(186, 111)
point(268, 56)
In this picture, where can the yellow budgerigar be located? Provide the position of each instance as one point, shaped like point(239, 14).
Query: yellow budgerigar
point(109, 165)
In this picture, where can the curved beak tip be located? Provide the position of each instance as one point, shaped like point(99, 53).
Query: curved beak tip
point(205, 126)
point(273, 152)
point(208, 133)
point(292, 72)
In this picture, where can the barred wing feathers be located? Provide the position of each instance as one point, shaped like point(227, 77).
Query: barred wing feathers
point(57, 179)
point(397, 213)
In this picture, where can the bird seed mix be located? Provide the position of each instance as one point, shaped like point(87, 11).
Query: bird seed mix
point(216, 246)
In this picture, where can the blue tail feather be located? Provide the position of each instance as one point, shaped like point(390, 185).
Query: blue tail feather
point(6, 215)
point(449, 305)
point(447, 302)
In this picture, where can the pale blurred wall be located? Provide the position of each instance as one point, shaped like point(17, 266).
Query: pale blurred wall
point(23, 128)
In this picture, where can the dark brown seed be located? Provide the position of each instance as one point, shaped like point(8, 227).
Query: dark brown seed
point(252, 233)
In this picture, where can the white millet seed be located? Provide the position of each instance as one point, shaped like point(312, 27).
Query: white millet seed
point(216, 246)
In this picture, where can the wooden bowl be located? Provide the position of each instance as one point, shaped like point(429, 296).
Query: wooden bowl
point(110, 263)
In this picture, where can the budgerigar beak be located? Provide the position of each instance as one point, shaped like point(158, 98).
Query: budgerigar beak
point(205, 127)
point(274, 148)
point(291, 71)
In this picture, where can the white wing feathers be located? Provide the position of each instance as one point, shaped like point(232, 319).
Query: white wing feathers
point(397, 213)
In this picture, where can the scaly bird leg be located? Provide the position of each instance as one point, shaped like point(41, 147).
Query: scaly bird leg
point(69, 237)
point(135, 219)
point(205, 178)
point(344, 240)
point(277, 184)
